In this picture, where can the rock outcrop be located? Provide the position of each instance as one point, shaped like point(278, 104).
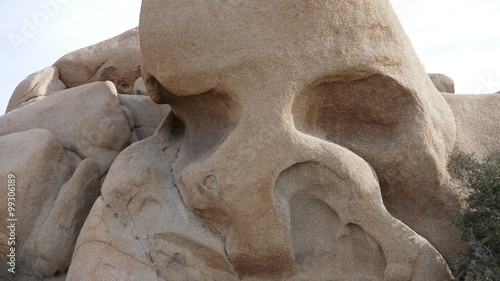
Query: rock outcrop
point(288, 97)
point(242, 158)
point(88, 121)
point(35, 87)
point(117, 60)
point(478, 123)
point(41, 168)
point(59, 143)
point(292, 141)
point(443, 83)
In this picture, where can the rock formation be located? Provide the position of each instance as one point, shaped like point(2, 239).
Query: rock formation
point(59, 140)
point(478, 121)
point(292, 141)
point(100, 62)
point(443, 83)
point(117, 60)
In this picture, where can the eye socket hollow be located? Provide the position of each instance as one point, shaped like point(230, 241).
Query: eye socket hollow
point(373, 111)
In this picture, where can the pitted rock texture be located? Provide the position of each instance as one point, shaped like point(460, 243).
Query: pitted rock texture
point(305, 75)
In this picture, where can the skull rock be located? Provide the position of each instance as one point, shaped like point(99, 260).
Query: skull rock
point(304, 120)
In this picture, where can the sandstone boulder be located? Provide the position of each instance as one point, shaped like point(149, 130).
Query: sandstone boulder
point(51, 202)
point(117, 60)
point(139, 87)
point(443, 83)
point(76, 133)
point(478, 123)
point(266, 96)
point(35, 87)
point(293, 140)
point(141, 224)
point(143, 114)
point(88, 121)
point(60, 148)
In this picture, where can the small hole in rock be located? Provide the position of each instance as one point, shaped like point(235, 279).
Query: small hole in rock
point(124, 87)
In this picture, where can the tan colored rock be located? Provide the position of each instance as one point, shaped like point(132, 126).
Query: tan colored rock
point(144, 132)
point(304, 141)
point(38, 162)
point(117, 59)
point(51, 203)
point(77, 134)
point(35, 87)
point(299, 122)
point(443, 83)
point(87, 120)
point(145, 115)
point(53, 246)
point(141, 228)
point(478, 123)
point(139, 87)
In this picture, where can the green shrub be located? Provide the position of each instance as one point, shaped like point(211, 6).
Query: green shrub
point(480, 221)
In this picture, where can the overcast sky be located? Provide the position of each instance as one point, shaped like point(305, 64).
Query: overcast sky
point(460, 38)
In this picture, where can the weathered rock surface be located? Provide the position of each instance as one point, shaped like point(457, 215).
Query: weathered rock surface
point(60, 148)
point(443, 83)
point(51, 201)
point(143, 115)
point(266, 115)
point(35, 87)
point(117, 60)
point(140, 88)
point(148, 229)
point(478, 123)
point(304, 141)
point(87, 120)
